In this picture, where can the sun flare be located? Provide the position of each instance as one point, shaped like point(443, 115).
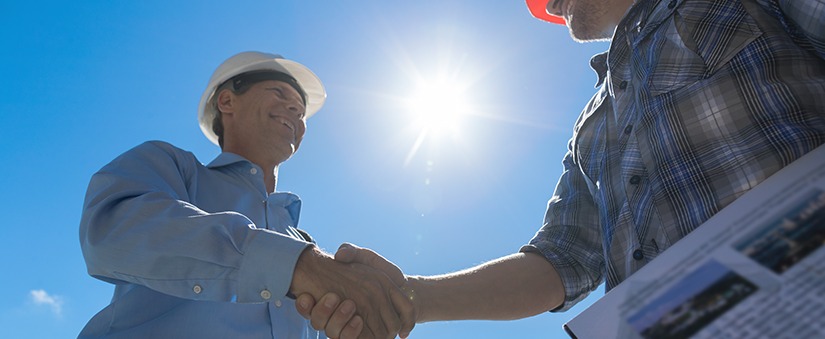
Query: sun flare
point(437, 109)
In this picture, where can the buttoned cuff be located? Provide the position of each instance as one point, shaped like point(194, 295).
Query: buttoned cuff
point(266, 271)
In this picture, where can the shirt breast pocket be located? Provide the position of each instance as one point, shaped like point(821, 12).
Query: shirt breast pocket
point(690, 47)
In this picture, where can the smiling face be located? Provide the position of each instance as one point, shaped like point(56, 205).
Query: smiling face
point(590, 20)
point(267, 121)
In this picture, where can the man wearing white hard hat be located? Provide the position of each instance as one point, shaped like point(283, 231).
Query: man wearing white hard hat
point(214, 251)
point(698, 102)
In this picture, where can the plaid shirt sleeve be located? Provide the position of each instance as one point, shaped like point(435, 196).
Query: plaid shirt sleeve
point(808, 16)
point(570, 237)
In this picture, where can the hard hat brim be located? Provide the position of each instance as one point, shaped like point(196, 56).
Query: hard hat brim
point(538, 8)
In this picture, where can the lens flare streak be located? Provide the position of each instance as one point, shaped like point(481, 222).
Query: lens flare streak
point(415, 147)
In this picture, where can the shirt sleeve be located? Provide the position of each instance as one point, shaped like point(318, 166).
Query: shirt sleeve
point(138, 227)
point(809, 17)
point(569, 238)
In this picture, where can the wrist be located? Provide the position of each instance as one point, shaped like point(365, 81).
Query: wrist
point(415, 288)
point(306, 270)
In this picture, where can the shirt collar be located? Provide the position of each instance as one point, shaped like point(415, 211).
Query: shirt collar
point(226, 158)
point(639, 8)
point(599, 64)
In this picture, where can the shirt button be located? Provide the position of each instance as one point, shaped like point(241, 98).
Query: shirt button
point(671, 4)
point(623, 85)
point(253, 170)
point(266, 294)
point(278, 303)
point(635, 179)
point(197, 289)
point(638, 255)
point(628, 129)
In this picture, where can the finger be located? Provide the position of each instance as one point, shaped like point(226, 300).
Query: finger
point(323, 310)
point(374, 324)
point(370, 332)
point(353, 328)
point(388, 314)
point(304, 305)
point(339, 319)
point(377, 311)
point(405, 308)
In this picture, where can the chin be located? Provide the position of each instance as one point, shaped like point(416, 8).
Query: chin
point(282, 152)
point(584, 33)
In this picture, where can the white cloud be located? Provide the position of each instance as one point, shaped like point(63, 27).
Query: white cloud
point(40, 297)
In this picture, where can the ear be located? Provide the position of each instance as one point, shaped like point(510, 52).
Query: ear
point(226, 100)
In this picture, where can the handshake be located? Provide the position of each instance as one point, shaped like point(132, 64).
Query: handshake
point(359, 294)
point(355, 294)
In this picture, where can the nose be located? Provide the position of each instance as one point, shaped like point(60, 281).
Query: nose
point(296, 108)
point(554, 7)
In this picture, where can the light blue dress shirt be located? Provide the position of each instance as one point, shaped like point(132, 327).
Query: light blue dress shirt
point(194, 251)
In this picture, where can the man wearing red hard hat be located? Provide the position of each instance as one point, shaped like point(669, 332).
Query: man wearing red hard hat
point(698, 102)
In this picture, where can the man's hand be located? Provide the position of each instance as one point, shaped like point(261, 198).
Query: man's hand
point(382, 307)
point(349, 253)
point(323, 315)
point(337, 320)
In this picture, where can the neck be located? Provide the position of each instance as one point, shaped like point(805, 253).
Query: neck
point(270, 169)
point(271, 179)
point(267, 163)
point(270, 175)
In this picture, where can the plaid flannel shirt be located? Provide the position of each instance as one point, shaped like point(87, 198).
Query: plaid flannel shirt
point(700, 101)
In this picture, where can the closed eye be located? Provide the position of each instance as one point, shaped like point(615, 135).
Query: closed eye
point(283, 96)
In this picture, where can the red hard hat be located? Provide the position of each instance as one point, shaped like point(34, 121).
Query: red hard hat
point(538, 8)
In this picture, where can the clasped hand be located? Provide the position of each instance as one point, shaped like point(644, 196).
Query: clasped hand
point(377, 304)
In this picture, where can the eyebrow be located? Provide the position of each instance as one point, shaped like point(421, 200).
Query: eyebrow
point(254, 77)
point(282, 86)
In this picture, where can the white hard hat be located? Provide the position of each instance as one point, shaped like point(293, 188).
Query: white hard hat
point(254, 62)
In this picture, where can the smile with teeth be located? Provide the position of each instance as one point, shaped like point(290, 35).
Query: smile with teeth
point(285, 122)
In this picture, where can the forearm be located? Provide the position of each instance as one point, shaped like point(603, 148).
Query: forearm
point(148, 243)
point(138, 226)
point(513, 287)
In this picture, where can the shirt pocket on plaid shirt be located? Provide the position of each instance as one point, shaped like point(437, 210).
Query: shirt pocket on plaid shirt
point(691, 47)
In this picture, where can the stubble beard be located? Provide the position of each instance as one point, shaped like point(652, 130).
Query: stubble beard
point(588, 21)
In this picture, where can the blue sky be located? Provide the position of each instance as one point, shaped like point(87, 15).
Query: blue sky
point(85, 81)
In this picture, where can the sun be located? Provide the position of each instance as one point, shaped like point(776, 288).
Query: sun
point(437, 109)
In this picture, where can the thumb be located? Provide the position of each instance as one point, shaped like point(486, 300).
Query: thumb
point(347, 253)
